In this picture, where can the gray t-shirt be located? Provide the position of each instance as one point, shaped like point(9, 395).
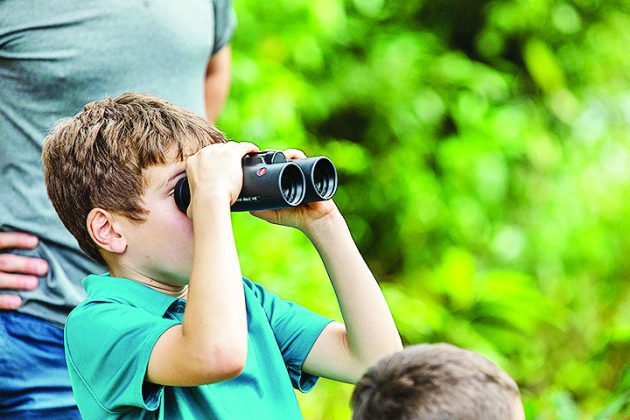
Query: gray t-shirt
point(56, 56)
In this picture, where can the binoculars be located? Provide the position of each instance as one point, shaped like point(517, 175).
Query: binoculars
point(271, 181)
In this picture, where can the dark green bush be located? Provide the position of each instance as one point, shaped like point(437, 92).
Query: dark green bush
point(484, 158)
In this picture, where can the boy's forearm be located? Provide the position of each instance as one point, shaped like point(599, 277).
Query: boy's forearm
point(215, 316)
point(370, 326)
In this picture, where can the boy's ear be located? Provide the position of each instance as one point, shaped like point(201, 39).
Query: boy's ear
point(105, 232)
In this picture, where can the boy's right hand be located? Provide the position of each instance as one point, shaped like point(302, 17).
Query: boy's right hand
point(215, 172)
point(211, 343)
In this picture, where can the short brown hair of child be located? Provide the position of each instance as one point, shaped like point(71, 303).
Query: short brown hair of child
point(436, 381)
point(96, 158)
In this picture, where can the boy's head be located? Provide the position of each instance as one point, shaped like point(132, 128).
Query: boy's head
point(436, 381)
point(102, 167)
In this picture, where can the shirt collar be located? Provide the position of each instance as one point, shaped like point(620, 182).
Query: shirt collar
point(103, 286)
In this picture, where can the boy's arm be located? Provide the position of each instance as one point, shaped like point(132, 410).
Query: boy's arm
point(211, 344)
point(345, 353)
point(341, 352)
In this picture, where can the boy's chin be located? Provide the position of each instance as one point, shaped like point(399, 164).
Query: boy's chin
point(175, 279)
point(174, 283)
point(181, 281)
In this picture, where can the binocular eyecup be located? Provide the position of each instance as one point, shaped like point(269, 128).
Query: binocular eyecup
point(270, 181)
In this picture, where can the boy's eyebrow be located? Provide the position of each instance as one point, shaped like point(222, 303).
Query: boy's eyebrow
point(170, 179)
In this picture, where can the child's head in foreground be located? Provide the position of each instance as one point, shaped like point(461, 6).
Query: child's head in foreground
point(436, 381)
point(110, 172)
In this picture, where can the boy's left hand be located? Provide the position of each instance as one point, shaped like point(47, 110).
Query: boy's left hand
point(305, 216)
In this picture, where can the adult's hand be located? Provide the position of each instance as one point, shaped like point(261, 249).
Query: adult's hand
point(18, 272)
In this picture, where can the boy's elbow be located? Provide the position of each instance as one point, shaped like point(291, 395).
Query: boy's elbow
point(396, 345)
point(392, 346)
point(223, 363)
point(232, 364)
point(371, 357)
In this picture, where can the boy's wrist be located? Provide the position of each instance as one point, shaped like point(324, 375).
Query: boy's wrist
point(321, 227)
point(209, 203)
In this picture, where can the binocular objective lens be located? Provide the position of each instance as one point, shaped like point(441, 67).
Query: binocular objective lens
point(324, 179)
point(291, 183)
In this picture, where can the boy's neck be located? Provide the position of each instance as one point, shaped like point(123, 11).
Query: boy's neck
point(131, 274)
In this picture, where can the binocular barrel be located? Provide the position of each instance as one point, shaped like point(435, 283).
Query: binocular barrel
point(321, 182)
point(270, 181)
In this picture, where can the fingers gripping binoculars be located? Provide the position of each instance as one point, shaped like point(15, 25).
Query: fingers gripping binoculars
point(271, 181)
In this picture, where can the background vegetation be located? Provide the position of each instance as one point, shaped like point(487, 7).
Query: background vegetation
point(484, 158)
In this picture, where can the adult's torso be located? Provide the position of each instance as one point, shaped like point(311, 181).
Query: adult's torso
point(55, 56)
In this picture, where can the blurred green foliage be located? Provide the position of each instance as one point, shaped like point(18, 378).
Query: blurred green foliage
point(484, 158)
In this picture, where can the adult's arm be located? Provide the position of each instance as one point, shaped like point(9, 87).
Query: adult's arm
point(18, 272)
point(217, 83)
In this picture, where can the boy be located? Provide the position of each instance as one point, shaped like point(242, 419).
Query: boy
point(436, 381)
point(174, 313)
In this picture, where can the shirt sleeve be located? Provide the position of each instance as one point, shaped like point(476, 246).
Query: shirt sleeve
point(224, 23)
point(295, 328)
point(108, 346)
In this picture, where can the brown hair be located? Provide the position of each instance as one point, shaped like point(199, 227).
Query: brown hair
point(96, 158)
point(434, 381)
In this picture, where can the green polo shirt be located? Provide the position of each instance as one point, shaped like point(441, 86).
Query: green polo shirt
point(109, 338)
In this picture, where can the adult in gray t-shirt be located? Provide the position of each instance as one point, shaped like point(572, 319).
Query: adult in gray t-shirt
point(55, 57)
